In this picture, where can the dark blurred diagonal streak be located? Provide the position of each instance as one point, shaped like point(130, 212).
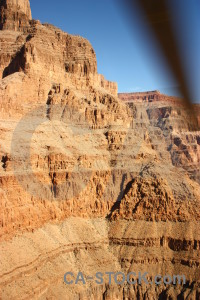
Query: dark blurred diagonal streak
point(158, 18)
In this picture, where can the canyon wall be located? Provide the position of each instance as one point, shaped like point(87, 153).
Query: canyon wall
point(149, 96)
point(89, 181)
point(15, 14)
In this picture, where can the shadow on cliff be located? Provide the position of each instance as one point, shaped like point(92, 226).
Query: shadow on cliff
point(122, 193)
point(17, 64)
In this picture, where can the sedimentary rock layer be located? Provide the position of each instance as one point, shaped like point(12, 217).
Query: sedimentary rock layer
point(89, 181)
point(15, 15)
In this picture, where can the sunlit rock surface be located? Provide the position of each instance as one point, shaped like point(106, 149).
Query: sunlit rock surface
point(89, 181)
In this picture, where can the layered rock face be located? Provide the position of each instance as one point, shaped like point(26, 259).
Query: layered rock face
point(181, 136)
point(147, 97)
point(90, 181)
point(15, 14)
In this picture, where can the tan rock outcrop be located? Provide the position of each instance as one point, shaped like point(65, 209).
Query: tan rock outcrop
point(15, 14)
point(152, 200)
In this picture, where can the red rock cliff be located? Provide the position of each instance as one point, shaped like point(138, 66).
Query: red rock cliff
point(15, 14)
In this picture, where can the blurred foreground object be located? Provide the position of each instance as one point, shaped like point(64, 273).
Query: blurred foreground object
point(158, 18)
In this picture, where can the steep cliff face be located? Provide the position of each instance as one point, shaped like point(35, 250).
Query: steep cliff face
point(179, 136)
point(15, 15)
point(148, 97)
point(88, 181)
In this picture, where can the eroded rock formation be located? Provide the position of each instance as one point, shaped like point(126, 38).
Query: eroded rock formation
point(89, 181)
point(15, 15)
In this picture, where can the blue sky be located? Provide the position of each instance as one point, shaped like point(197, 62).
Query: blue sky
point(126, 52)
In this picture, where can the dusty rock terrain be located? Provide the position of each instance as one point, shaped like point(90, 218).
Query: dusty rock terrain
point(90, 180)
